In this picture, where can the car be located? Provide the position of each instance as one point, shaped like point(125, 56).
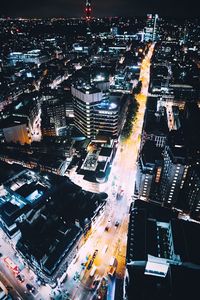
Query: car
point(90, 264)
point(105, 248)
point(95, 254)
point(76, 276)
point(20, 277)
point(117, 223)
point(95, 284)
point(30, 287)
point(108, 225)
point(106, 228)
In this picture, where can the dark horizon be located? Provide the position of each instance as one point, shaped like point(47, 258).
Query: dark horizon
point(103, 8)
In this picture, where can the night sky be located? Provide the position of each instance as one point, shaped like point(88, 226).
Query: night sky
point(74, 8)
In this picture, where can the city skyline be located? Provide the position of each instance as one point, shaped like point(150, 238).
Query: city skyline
point(99, 154)
point(70, 8)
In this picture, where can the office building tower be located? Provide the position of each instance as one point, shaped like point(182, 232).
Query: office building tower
point(53, 116)
point(189, 199)
point(151, 28)
point(176, 165)
point(96, 114)
point(149, 171)
point(162, 251)
point(155, 126)
point(88, 9)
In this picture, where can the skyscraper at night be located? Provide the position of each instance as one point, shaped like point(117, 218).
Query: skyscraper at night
point(151, 27)
point(96, 114)
point(88, 9)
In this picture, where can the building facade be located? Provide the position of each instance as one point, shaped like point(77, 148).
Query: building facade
point(95, 113)
point(149, 170)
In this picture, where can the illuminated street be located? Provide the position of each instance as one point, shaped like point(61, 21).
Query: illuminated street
point(99, 150)
point(109, 243)
point(16, 288)
point(122, 177)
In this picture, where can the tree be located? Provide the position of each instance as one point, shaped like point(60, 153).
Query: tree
point(130, 118)
point(137, 89)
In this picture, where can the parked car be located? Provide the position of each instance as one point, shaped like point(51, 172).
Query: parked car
point(30, 287)
point(95, 254)
point(90, 264)
point(117, 223)
point(95, 284)
point(20, 277)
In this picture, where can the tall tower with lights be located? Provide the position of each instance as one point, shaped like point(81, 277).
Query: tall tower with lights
point(151, 27)
point(88, 9)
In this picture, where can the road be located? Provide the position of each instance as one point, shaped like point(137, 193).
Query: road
point(122, 177)
point(17, 289)
point(108, 243)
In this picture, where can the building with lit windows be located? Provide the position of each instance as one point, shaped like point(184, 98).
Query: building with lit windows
point(53, 116)
point(151, 28)
point(16, 129)
point(176, 164)
point(34, 56)
point(88, 9)
point(155, 126)
point(149, 169)
point(21, 120)
point(28, 199)
point(162, 253)
point(85, 97)
point(95, 113)
point(190, 196)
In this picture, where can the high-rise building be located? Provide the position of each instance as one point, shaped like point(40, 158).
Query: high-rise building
point(96, 114)
point(155, 126)
point(149, 171)
point(84, 99)
point(151, 28)
point(53, 116)
point(162, 251)
point(88, 9)
point(176, 165)
point(189, 199)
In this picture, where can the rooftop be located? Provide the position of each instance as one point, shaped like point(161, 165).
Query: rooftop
point(87, 88)
point(13, 121)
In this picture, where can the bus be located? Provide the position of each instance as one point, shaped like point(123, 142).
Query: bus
point(11, 265)
point(93, 271)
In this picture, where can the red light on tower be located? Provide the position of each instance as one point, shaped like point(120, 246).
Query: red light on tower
point(88, 9)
